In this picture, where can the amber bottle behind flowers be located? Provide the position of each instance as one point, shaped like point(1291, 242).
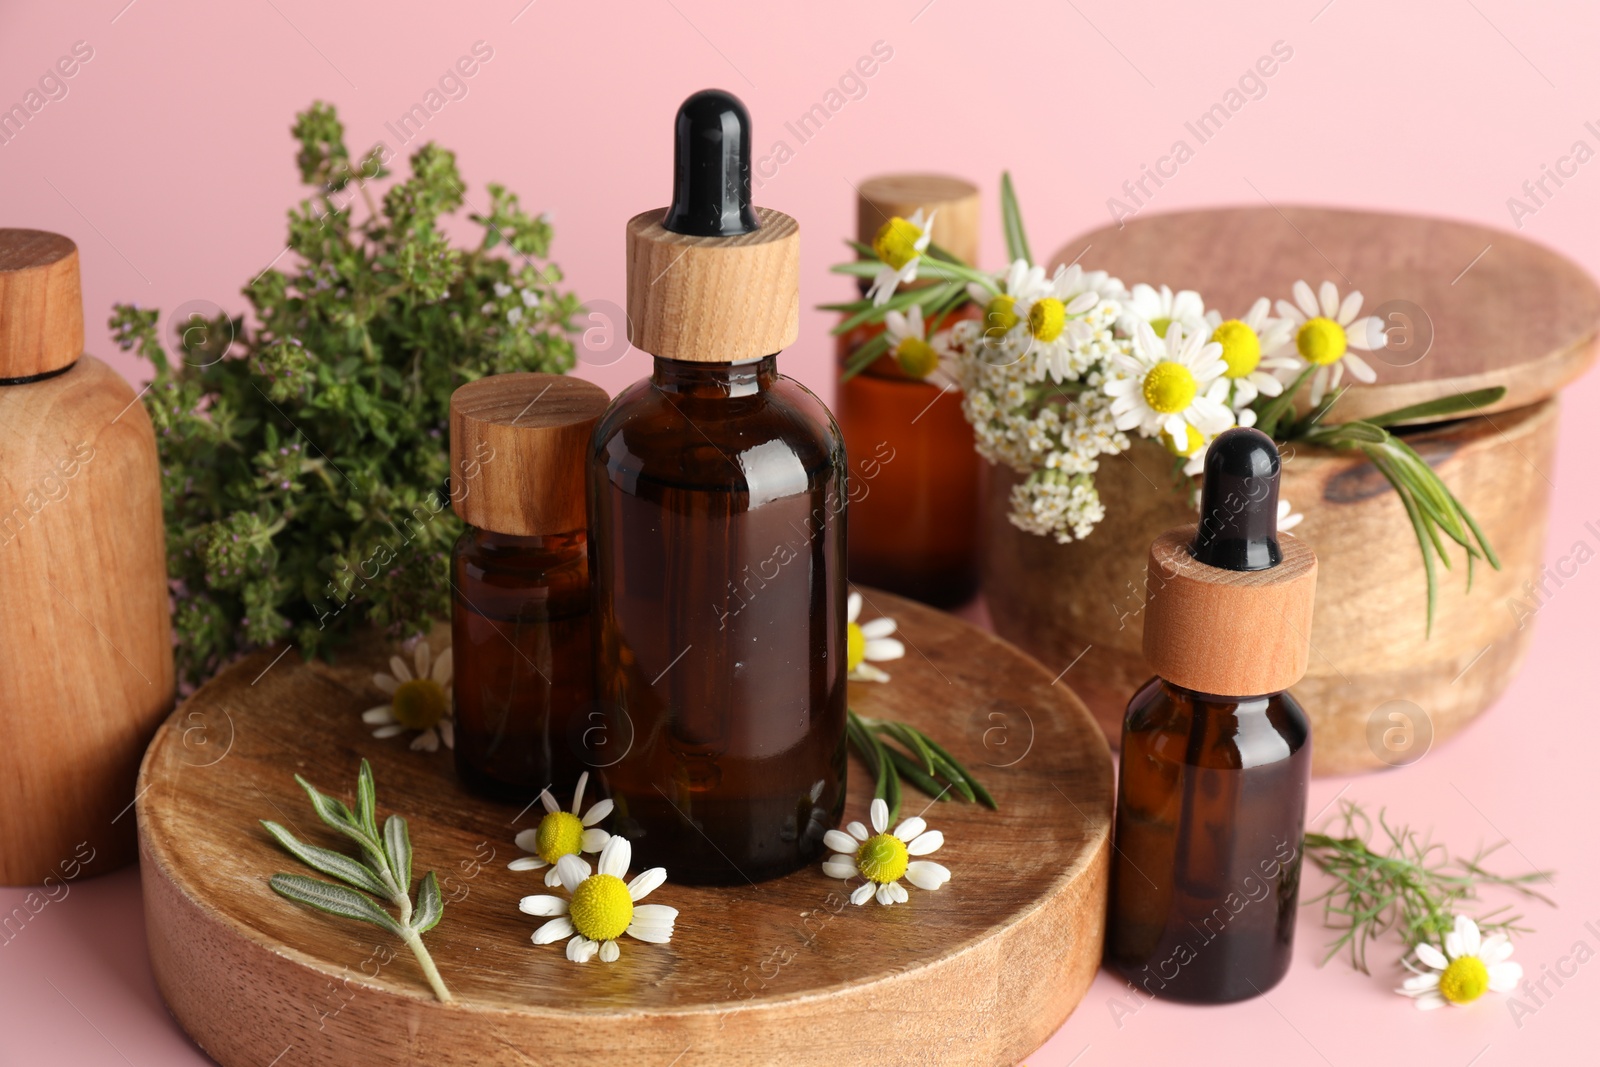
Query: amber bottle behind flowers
point(1216, 755)
point(520, 582)
point(717, 501)
point(913, 474)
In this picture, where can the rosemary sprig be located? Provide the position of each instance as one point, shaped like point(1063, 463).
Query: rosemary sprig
point(915, 757)
point(384, 871)
point(1406, 883)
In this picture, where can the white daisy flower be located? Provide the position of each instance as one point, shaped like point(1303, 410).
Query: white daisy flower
point(602, 906)
point(909, 344)
point(421, 701)
point(1161, 308)
point(1171, 385)
point(1054, 327)
point(899, 244)
point(1325, 330)
point(562, 833)
point(868, 641)
point(883, 858)
point(1288, 518)
point(1250, 347)
point(1466, 968)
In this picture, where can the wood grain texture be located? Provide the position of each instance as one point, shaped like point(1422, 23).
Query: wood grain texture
point(954, 201)
point(1501, 310)
point(713, 299)
point(41, 303)
point(981, 972)
point(519, 451)
point(86, 670)
point(1369, 643)
point(1228, 633)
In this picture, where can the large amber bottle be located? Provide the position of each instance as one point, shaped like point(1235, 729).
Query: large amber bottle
point(914, 473)
point(717, 506)
point(1216, 755)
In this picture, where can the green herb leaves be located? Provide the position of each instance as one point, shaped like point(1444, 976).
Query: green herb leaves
point(914, 757)
point(385, 872)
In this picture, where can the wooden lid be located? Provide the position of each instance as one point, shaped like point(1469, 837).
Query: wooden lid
point(713, 299)
point(519, 449)
point(1228, 633)
point(1484, 307)
point(41, 303)
point(955, 226)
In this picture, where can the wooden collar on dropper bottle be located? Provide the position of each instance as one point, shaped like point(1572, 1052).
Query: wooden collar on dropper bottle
point(1228, 601)
point(41, 304)
point(711, 278)
point(952, 203)
point(519, 449)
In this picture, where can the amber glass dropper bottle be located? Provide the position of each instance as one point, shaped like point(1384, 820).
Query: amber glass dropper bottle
point(914, 472)
point(718, 510)
point(1216, 754)
point(521, 641)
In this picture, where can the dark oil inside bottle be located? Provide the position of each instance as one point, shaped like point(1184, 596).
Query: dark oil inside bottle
point(1206, 870)
point(717, 505)
point(524, 682)
point(913, 480)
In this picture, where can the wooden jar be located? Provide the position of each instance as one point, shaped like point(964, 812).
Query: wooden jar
point(85, 645)
point(1378, 689)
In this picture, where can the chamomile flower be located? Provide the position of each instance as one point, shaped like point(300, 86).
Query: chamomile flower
point(420, 701)
point(1171, 385)
point(915, 354)
point(1463, 970)
point(899, 244)
point(1055, 325)
point(1325, 330)
point(602, 907)
point(1021, 282)
point(1249, 350)
point(1161, 308)
point(562, 833)
point(868, 641)
point(883, 858)
point(1288, 518)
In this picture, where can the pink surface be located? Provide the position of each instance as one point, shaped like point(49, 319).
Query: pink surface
point(168, 160)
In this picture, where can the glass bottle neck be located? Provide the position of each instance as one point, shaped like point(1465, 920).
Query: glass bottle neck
point(712, 380)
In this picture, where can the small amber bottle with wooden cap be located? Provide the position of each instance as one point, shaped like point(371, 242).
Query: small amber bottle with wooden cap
point(913, 470)
point(1216, 755)
point(718, 509)
point(523, 649)
point(85, 644)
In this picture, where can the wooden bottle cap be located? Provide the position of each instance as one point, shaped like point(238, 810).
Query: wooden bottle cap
point(713, 299)
point(519, 450)
point(1223, 632)
point(41, 303)
point(955, 226)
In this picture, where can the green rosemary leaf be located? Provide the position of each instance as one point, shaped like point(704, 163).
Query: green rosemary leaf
point(857, 268)
point(430, 905)
point(912, 772)
point(1425, 542)
point(328, 861)
point(366, 800)
point(1011, 221)
point(912, 741)
point(944, 255)
point(982, 795)
point(891, 786)
point(397, 846)
point(333, 899)
point(866, 252)
point(1442, 408)
point(1269, 415)
point(865, 356)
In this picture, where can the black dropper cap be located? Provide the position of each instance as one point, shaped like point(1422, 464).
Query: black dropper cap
point(711, 168)
point(1239, 503)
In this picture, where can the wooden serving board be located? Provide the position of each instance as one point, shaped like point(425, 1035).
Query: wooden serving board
point(981, 972)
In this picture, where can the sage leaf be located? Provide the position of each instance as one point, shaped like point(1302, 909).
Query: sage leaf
point(334, 899)
point(430, 905)
point(397, 843)
point(328, 861)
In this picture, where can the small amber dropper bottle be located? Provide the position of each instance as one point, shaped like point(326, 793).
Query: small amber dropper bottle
point(718, 508)
point(914, 471)
point(1215, 754)
point(520, 582)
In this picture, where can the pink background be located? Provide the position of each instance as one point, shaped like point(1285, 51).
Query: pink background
point(169, 162)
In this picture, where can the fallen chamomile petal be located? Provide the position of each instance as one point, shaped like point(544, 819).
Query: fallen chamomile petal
point(601, 907)
point(883, 858)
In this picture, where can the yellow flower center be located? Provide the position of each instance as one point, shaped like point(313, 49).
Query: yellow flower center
point(601, 908)
point(1241, 348)
point(855, 647)
point(560, 834)
point(896, 242)
point(1465, 980)
point(1192, 444)
point(1169, 387)
point(1161, 326)
point(1047, 318)
point(1321, 341)
point(1001, 314)
point(916, 357)
point(420, 703)
point(882, 859)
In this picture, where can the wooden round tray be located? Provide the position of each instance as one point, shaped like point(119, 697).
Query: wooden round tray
point(980, 972)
